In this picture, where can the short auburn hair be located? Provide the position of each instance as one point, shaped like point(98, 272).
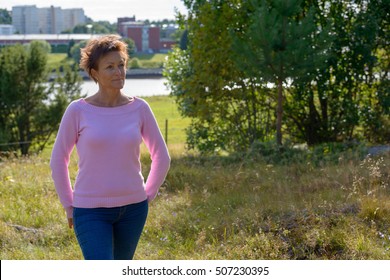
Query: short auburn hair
point(97, 48)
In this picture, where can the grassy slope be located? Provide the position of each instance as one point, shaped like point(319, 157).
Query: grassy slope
point(151, 60)
point(165, 108)
point(56, 59)
point(216, 209)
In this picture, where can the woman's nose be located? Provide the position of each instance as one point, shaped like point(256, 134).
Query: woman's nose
point(118, 70)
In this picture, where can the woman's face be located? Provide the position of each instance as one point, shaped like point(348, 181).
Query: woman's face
point(111, 71)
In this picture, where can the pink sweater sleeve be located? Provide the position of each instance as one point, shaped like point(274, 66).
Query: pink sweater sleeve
point(155, 143)
point(59, 162)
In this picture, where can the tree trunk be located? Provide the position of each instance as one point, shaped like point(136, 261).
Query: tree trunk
point(279, 113)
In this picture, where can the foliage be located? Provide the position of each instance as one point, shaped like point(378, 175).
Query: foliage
point(75, 50)
point(30, 110)
point(134, 63)
point(131, 48)
point(229, 110)
point(348, 97)
point(22, 74)
point(5, 17)
point(65, 88)
point(97, 27)
point(322, 64)
point(184, 40)
point(160, 23)
point(281, 44)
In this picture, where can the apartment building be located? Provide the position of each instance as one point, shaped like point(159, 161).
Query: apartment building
point(73, 17)
point(25, 19)
point(6, 29)
point(51, 20)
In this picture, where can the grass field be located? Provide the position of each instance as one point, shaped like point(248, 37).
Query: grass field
point(165, 109)
point(217, 208)
point(151, 60)
point(55, 60)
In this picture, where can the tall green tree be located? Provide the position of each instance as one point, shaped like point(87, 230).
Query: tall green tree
point(372, 26)
point(12, 72)
point(22, 77)
point(348, 97)
point(65, 88)
point(229, 109)
point(281, 44)
point(323, 64)
point(75, 50)
point(27, 101)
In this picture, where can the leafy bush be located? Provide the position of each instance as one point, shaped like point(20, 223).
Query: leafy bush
point(135, 63)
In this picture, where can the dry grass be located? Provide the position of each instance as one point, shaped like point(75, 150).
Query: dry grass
point(210, 209)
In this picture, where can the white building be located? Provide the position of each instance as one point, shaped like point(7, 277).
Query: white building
point(73, 17)
point(52, 39)
point(6, 29)
point(51, 20)
point(25, 19)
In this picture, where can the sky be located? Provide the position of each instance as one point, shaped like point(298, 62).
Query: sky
point(110, 9)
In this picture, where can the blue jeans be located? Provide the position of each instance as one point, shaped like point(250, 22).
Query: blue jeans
point(110, 233)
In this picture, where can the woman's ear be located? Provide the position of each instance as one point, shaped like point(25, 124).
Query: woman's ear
point(94, 75)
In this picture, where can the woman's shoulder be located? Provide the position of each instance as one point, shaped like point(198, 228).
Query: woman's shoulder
point(140, 101)
point(74, 105)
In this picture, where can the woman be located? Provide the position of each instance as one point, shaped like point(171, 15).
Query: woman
point(109, 203)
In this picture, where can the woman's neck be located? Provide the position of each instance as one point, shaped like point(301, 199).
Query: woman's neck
point(108, 99)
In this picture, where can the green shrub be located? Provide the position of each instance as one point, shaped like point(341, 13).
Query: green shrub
point(135, 63)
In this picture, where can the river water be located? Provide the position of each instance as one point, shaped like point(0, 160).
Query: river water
point(133, 87)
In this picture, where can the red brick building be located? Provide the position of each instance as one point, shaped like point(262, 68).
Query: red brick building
point(154, 39)
point(134, 33)
point(121, 27)
point(146, 37)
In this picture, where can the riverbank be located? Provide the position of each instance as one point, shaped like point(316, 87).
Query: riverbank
point(137, 73)
point(140, 73)
point(150, 65)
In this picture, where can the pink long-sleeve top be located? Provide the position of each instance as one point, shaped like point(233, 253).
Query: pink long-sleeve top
point(108, 145)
